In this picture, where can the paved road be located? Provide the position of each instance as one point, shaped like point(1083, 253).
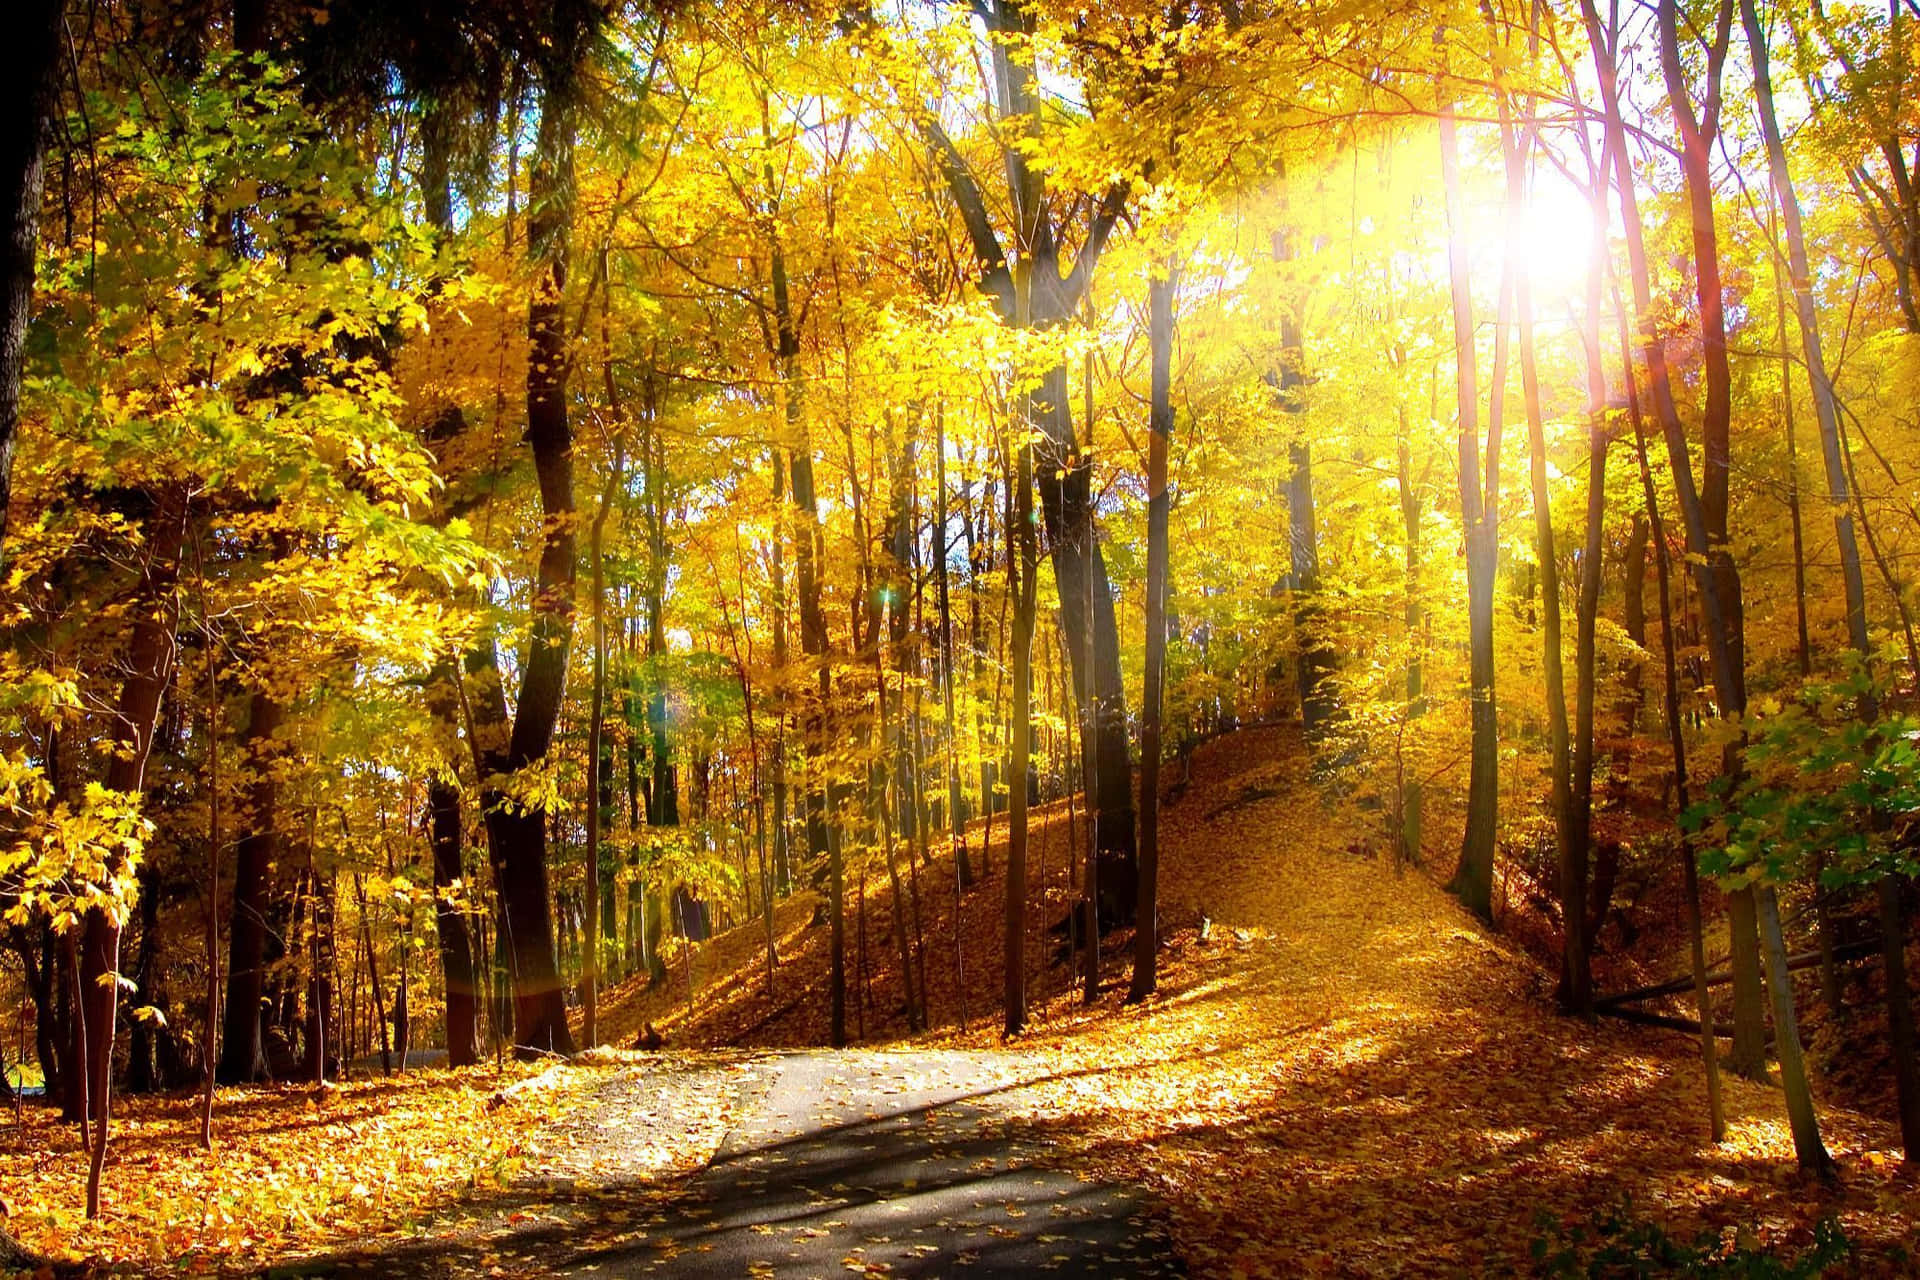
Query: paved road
point(862, 1162)
point(887, 1164)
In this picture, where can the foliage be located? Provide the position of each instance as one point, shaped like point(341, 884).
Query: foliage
point(1827, 774)
point(1618, 1244)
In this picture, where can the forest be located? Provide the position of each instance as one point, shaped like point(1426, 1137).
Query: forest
point(1296, 619)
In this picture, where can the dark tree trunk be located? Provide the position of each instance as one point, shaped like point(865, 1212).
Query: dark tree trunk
point(1146, 932)
point(599, 752)
point(1716, 577)
point(808, 548)
point(663, 791)
point(151, 655)
point(456, 943)
point(956, 808)
point(1676, 739)
point(143, 1075)
point(242, 1048)
point(40, 966)
point(1832, 448)
point(1093, 644)
point(490, 732)
point(977, 562)
point(1046, 296)
point(1022, 568)
point(519, 838)
point(320, 1051)
point(1587, 605)
point(29, 82)
point(1479, 508)
point(1900, 1033)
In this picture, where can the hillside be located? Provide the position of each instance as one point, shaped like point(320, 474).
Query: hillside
point(1348, 1076)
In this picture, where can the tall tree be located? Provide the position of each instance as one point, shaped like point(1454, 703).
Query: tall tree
point(1146, 928)
point(1480, 513)
point(519, 830)
point(1724, 618)
point(29, 81)
point(1840, 500)
point(1032, 288)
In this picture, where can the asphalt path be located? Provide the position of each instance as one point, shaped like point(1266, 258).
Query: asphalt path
point(889, 1163)
point(857, 1162)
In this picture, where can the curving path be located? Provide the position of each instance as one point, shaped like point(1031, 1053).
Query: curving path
point(887, 1163)
point(860, 1162)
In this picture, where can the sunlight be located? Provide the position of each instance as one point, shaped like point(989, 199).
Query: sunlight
point(1556, 239)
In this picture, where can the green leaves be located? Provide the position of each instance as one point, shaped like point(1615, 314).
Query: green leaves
point(1820, 779)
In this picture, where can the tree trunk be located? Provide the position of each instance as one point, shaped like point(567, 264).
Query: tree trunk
point(1587, 605)
point(978, 558)
point(450, 919)
point(956, 810)
point(1900, 1034)
point(1479, 510)
point(1093, 644)
point(1839, 497)
point(519, 838)
point(1313, 654)
point(28, 89)
point(243, 1053)
point(1716, 575)
point(1045, 297)
point(151, 654)
point(1576, 978)
point(599, 756)
point(377, 996)
point(210, 1030)
point(782, 855)
point(1807, 1147)
point(142, 1073)
point(1690, 873)
point(320, 976)
point(1803, 648)
point(1022, 568)
point(1411, 801)
point(808, 551)
point(1146, 934)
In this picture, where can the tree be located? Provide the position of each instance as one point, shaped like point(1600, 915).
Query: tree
point(29, 71)
point(1033, 288)
point(1480, 513)
point(1146, 929)
point(518, 824)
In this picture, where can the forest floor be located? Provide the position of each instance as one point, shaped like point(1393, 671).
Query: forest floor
point(1342, 1074)
point(1349, 1075)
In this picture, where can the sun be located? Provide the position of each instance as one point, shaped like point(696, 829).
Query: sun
point(1556, 236)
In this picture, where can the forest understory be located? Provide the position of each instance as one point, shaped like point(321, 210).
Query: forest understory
point(1309, 604)
point(1343, 1073)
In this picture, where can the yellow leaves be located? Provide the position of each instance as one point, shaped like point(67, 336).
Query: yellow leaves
point(289, 1170)
point(76, 859)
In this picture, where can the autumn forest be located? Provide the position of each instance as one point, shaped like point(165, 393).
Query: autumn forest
point(959, 637)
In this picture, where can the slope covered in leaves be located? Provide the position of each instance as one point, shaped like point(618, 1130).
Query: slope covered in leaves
point(1349, 1076)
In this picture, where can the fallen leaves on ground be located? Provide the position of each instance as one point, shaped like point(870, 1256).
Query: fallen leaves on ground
point(1353, 1078)
point(291, 1168)
point(1350, 1077)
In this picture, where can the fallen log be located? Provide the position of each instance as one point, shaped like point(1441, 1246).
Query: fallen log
point(1675, 986)
point(1640, 1017)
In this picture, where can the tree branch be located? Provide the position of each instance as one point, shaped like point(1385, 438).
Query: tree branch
point(995, 278)
point(1074, 287)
